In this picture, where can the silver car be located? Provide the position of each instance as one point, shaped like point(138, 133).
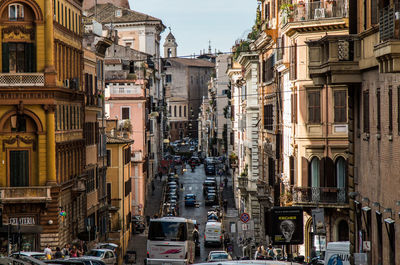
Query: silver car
point(106, 255)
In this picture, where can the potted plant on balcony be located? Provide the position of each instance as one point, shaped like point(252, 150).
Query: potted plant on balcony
point(233, 159)
point(287, 12)
point(301, 10)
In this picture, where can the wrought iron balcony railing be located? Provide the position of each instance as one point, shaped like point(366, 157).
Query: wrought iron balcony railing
point(316, 11)
point(323, 195)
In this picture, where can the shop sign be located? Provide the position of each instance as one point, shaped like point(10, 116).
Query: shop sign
point(22, 220)
point(286, 225)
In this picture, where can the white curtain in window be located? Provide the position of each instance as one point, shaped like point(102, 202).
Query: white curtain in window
point(315, 172)
point(340, 172)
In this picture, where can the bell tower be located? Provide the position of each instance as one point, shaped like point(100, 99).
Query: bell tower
point(170, 46)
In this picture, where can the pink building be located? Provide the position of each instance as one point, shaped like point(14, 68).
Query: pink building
point(126, 103)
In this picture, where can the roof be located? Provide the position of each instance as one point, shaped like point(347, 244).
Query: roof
point(193, 62)
point(170, 36)
point(113, 61)
point(89, 3)
point(106, 14)
point(118, 140)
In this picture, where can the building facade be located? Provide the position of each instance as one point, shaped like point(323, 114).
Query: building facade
point(42, 116)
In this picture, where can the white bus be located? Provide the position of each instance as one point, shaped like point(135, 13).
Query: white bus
point(170, 241)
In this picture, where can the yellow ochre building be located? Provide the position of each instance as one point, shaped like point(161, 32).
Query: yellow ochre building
point(42, 150)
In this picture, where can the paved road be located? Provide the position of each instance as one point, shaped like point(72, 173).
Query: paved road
point(193, 183)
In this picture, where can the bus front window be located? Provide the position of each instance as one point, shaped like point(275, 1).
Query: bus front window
point(167, 231)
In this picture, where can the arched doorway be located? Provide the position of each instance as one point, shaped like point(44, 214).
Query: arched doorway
point(343, 231)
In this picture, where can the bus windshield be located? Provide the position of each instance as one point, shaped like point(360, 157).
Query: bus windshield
point(167, 231)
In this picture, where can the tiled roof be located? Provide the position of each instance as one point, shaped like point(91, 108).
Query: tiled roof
point(113, 61)
point(118, 140)
point(193, 62)
point(106, 14)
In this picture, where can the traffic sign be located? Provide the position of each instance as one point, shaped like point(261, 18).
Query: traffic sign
point(244, 217)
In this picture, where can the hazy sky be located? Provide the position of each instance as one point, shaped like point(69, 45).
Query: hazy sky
point(195, 22)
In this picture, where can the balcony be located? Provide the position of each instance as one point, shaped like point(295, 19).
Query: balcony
point(387, 52)
point(334, 60)
point(314, 16)
point(243, 183)
point(21, 79)
point(321, 196)
point(31, 194)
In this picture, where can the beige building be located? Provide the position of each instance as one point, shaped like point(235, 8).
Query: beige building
point(365, 63)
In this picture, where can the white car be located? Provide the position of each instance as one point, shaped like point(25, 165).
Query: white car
point(106, 255)
point(36, 255)
point(218, 255)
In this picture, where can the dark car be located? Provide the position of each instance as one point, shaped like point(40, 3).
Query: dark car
point(177, 160)
point(190, 200)
point(209, 169)
point(211, 189)
point(208, 183)
point(138, 224)
point(211, 199)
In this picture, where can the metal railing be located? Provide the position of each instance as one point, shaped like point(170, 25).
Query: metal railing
point(21, 79)
point(318, 10)
point(320, 195)
point(389, 22)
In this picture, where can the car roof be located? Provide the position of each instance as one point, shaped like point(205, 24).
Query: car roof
point(190, 194)
point(251, 262)
point(28, 253)
point(101, 249)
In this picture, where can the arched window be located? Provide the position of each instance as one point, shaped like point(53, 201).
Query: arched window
point(15, 12)
point(341, 172)
point(184, 111)
point(174, 111)
point(180, 111)
point(315, 172)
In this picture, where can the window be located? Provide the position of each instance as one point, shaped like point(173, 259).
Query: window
point(378, 109)
point(366, 111)
point(168, 78)
point(18, 57)
point(340, 106)
point(390, 103)
point(341, 172)
point(19, 168)
point(18, 123)
point(174, 111)
point(58, 11)
point(15, 12)
point(271, 171)
point(128, 187)
point(180, 111)
point(118, 13)
point(268, 117)
point(398, 110)
point(127, 155)
point(291, 166)
point(269, 69)
point(125, 113)
point(121, 90)
point(293, 62)
point(170, 111)
point(314, 107)
point(69, 18)
point(90, 181)
point(315, 172)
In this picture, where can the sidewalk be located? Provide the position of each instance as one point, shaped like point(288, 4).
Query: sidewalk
point(138, 242)
point(231, 217)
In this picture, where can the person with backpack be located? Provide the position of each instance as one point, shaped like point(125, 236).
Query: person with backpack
point(271, 252)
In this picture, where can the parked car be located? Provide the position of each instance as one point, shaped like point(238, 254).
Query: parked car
point(106, 255)
point(209, 169)
point(177, 160)
point(138, 224)
point(190, 200)
point(213, 233)
point(88, 260)
point(36, 255)
point(211, 189)
point(211, 199)
point(218, 255)
point(208, 183)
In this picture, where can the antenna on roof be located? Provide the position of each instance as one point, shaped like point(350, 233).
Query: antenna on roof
point(169, 29)
point(209, 47)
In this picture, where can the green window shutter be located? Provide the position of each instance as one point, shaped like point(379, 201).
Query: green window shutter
point(30, 64)
point(5, 58)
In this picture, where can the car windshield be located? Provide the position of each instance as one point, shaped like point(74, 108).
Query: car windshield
point(95, 253)
point(167, 231)
point(220, 255)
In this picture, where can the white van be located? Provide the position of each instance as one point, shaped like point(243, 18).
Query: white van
point(213, 234)
point(337, 253)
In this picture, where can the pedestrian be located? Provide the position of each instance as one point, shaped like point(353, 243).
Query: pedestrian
point(47, 251)
point(271, 252)
point(58, 254)
point(225, 203)
point(66, 250)
point(74, 252)
point(226, 181)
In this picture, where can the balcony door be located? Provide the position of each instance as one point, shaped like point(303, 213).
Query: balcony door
point(341, 179)
point(315, 179)
point(18, 57)
point(19, 168)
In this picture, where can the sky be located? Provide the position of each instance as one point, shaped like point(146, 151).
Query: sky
point(196, 22)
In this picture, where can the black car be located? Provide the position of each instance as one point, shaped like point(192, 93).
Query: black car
point(209, 169)
point(210, 189)
point(211, 199)
point(209, 183)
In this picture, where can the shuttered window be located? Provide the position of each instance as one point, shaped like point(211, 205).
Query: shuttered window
point(19, 168)
point(268, 117)
point(340, 106)
point(125, 113)
point(314, 107)
point(271, 171)
point(378, 109)
point(366, 111)
point(390, 103)
point(293, 62)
